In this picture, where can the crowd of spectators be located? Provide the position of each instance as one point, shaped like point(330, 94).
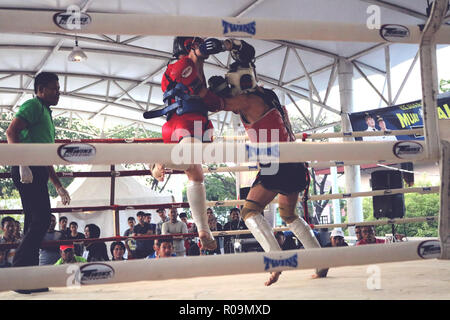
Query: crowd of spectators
point(135, 247)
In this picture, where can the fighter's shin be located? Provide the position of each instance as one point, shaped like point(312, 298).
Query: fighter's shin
point(262, 232)
point(196, 196)
point(304, 233)
point(306, 236)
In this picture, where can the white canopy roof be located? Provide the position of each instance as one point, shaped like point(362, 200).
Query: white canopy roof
point(121, 77)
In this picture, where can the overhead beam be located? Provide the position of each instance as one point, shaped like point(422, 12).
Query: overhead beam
point(212, 26)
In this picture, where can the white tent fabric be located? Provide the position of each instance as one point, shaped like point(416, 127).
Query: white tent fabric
point(122, 75)
point(87, 192)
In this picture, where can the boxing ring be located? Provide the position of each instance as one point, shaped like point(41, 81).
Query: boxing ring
point(235, 265)
point(354, 270)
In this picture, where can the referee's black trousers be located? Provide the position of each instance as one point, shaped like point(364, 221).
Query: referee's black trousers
point(36, 207)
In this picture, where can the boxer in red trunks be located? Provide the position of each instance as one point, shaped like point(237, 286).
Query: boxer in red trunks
point(265, 121)
point(188, 101)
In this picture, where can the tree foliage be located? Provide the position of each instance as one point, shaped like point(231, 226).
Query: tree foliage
point(444, 85)
point(219, 187)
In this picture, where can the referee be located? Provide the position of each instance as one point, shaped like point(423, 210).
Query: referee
point(33, 123)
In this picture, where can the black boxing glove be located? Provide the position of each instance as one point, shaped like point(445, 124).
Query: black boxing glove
point(242, 52)
point(211, 46)
point(219, 86)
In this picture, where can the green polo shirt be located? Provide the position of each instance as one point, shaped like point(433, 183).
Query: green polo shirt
point(77, 259)
point(40, 127)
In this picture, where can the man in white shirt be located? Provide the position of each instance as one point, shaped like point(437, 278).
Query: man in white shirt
point(370, 128)
point(174, 226)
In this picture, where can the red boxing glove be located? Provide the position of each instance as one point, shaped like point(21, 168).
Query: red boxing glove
point(183, 71)
point(213, 101)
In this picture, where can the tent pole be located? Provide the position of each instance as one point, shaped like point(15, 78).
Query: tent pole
point(112, 200)
point(352, 173)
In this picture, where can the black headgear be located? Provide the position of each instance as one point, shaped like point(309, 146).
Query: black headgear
point(182, 45)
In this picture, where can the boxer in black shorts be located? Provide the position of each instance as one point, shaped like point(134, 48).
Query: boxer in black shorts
point(265, 121)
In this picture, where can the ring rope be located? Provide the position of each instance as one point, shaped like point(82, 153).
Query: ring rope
point(206, 169)
point(324, 135)
point(41, 154)
point(125, 140)
point(328, 135)
point(230, 203)
point(215, 265)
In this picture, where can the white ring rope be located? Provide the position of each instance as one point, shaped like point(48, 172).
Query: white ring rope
point(350, 134)
point(47, 154)
point(380, 222)
point(421, 190)
point(311, 164)
point(73, 275)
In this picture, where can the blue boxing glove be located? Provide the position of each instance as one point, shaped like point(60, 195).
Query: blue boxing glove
point(211, 46)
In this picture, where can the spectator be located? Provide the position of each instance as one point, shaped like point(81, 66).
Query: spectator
point(214, 226)
point(130, 244)
point(358, 233)
point(163, 249)
point(8, 228)
point(117, 250)
point(63, 226)
point(280, 238)
point(236, 223)
point(49, 255)
point(194, 249)
point(3, 259)
point(148, 219)
point(337, 239)
point(17, 231)
point(174, 226)
point(323, 236)
point(190, 227)
point(163, 217)
point(209, 212)
point(368, 236)
point(286, 242)
point(291, 242)
point(143, 247)
point(68, 255)
point(95, 251)
point(75, 235)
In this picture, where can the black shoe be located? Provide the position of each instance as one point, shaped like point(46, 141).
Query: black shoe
point(22, 291)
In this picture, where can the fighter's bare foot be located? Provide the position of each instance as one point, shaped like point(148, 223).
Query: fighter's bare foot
point(207, 240)
point(320, 273)
point(158, 171)
point(273, 278)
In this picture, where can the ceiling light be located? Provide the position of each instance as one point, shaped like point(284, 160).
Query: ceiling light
point(77, 55)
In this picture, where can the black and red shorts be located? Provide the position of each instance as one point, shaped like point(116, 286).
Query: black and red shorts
point(290, 178)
